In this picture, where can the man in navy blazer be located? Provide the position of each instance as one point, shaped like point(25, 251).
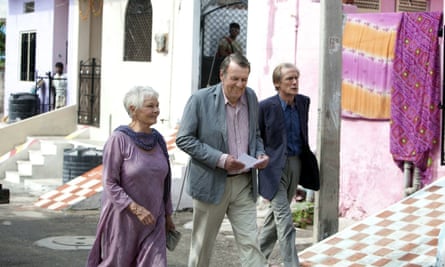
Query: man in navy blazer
point(219, 124)
point(283, 122)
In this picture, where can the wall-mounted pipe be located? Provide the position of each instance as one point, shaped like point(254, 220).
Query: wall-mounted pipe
point(412, 178)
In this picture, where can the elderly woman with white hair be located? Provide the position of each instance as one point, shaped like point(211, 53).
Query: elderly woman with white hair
point(136, 201)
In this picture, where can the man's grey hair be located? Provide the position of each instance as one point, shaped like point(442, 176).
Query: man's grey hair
point(237, 58)
point(136, 96)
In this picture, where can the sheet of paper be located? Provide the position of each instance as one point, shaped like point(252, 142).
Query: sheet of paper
point(249, 161)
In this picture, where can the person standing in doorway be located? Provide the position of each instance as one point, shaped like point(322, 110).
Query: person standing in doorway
point(226, 46)
point(283, 122)
point(60, 85)
point(220, 124)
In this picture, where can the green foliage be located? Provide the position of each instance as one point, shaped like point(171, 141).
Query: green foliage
point(303, 214)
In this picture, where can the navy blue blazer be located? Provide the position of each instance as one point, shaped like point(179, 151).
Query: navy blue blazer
point(273, 132)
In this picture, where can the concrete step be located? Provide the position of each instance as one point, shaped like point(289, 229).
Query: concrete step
point(54, 146)
point(42, 185)
point(45, 162)
point(48, 148)
point(47, 166)
point(24, 167)
point(14, 177)
point(8, 162)
point(49, 169)
point(36, 157)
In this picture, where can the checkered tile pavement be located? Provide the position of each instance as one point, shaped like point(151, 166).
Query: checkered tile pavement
point(73, 191)
point(403, 235)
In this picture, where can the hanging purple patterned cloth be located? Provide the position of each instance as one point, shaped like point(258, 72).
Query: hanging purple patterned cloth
point(415, 96)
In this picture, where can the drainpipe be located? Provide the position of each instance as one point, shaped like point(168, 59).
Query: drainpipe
point(407, 166)
point(297, 25)
point(412, 179)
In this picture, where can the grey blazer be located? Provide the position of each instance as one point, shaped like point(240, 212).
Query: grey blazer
point(203, 135)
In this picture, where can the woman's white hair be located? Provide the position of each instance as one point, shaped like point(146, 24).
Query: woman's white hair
point(136, 96)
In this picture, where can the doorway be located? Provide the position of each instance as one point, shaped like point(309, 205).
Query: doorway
point(216, 15)
point(90, 47)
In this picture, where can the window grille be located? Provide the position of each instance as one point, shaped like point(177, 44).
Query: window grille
point(412, 5)
point(138, 30)
point(28, 56)
point(368, 4)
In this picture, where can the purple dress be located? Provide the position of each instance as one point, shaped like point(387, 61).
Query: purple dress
point(131, 173)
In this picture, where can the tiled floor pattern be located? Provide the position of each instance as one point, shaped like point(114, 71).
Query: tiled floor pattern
point(73, 191)
point(403, 235)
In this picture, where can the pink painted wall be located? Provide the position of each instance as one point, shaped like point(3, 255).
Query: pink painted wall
point(388, 5)
point(436, 5)
point(369, 179)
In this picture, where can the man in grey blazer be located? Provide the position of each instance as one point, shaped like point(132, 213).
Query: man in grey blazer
point(283, 121)
point(219, 124)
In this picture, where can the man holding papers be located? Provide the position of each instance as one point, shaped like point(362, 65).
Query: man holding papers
point(220, 125)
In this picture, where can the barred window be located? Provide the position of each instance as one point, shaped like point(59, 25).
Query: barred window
point(368, 4)
point(28, 56)
point(138, 30)
point(412, 5)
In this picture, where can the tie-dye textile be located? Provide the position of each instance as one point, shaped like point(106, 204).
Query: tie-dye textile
point(368, 54)
point(415, 96)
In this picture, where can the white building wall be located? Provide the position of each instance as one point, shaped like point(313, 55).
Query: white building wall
point(118, 75)
point(41, 21)
point(173, 74)
point(60, 26)
point(186, 56)
point(73, 53)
